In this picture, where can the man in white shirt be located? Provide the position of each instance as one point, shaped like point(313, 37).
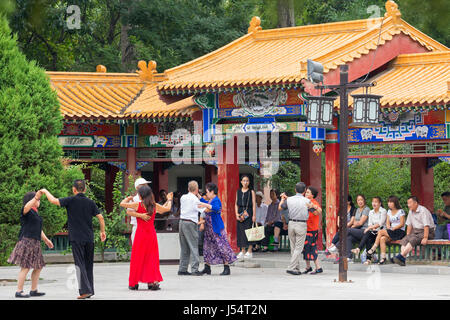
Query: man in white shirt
point(261, 213)
point(420, 229)
point(188, 231)
point(298, 207)
point(261, 209)
point(139, 182)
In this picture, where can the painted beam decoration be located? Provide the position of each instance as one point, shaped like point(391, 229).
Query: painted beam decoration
point(262, 127)
point(257, 103)
point(168, 134)
point(400, 133)
point(86, 129)
point(90, 141)
point(403, 127)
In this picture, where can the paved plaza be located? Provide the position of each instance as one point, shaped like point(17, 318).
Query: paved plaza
point(256, 280)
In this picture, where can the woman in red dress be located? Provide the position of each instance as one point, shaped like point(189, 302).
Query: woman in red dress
point(144, 263)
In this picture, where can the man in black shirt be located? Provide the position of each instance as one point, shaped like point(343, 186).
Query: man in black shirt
point(80, 211)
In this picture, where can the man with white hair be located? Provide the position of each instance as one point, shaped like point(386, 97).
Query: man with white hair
point(188, 231)
point(137, 184)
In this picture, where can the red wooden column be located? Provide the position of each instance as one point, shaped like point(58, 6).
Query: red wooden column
point(422, 182)
point(87, 173)
point(228, 184)
point(211, 174)
point(332, 189)
point(311, 175)
point(163, 179)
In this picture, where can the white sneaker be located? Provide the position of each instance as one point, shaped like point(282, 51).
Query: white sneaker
point(240, 256)
point(333, 249)
point(248, 255)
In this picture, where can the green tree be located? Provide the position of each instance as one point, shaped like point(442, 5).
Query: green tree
point(381, 177)
point(116, 236)
point(30, 155)
point(441, 183)
point(286, 178)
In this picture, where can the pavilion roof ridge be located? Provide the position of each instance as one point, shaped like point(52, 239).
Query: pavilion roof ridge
point(422, 58)
point(249, 60)
point(313, 29)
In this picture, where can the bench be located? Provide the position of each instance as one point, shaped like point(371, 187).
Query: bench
point(435, 251)
point(284, 243)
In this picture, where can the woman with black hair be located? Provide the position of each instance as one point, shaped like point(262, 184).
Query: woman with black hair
point(216, 248)
point(144, 262)
point(245, 209)
point(351, 209)
point(395, 228)
point(28, 253)
point(377, 221)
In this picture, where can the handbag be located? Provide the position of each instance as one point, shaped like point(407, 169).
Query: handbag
point(255, 233)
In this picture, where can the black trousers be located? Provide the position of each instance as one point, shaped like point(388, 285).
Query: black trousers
point(367, 240)
point(83, 255)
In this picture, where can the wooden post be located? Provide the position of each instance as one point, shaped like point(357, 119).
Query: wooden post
point(332, 189)
point(343, 172)
point(163, 179)
point(228, 184)
point(131, 166)
point(87, 174)
point(210, 174)
point(422, 182)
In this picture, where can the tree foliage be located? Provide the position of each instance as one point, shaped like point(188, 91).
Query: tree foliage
point(118, 33)
point(30, 155)
point(380, 178)
point(286, 178)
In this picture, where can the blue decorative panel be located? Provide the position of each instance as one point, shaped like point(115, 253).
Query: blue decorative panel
point(398, 133)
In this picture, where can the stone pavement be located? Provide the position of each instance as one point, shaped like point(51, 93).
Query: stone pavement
point(250, 282)
point(281, 260)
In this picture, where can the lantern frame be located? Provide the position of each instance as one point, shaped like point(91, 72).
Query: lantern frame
point(366, 110)
point(320, 112)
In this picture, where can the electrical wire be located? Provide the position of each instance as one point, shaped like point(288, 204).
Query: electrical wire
point(375, 53)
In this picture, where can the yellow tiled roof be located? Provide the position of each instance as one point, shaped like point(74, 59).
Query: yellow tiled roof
point(278, 55)
point(151, 104)
point(102, 95)
point(95, 94)
point(415, 80)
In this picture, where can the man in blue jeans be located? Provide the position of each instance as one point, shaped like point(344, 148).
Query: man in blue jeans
point(443, 218)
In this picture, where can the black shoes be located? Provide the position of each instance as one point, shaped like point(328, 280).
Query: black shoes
point(226, 270)
point(184, 273)
point(35, 293)
point(400, 260)
point(20, 294)
point(320, 270)
point(308, 270)
point(136, 287)
point(294, 272)
point(153, 286)
point(206, 270)
point(197, 273)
